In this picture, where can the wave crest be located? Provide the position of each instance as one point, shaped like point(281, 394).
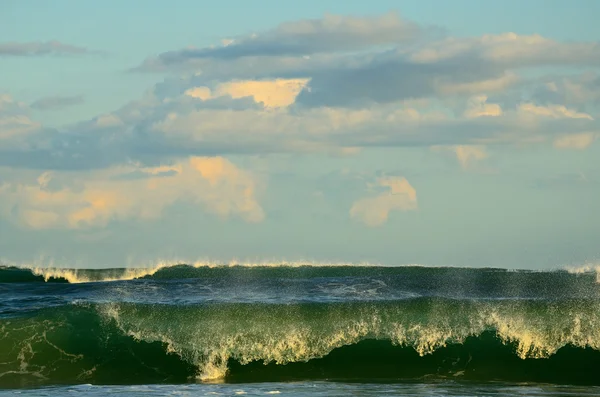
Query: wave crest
point(81, 275)
point(209, 338)
point(117, 342)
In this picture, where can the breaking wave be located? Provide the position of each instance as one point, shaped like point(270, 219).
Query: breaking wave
point(30, 273)
point(114, 343)
point(178, 270)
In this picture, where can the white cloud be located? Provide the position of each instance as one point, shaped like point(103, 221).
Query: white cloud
point(477, 107)
point(375, 210)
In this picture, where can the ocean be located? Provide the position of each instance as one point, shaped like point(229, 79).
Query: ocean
point(297, 329)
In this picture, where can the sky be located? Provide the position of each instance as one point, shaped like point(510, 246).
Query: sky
point(460, 133)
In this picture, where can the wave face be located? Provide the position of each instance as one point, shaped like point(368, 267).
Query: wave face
point(244, 324)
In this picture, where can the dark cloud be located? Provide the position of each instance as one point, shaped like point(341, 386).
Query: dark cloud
point(56, 102)
point(301, 38)
point(391, 80)
point(376, 74)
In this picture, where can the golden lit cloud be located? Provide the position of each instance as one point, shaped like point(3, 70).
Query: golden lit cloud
point(477, 107)
point(271, 93)
point(467, 154)
point(214, 183)
point(553, 111)
point(374, 211)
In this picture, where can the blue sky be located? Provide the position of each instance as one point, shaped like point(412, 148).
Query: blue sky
point(397, 132)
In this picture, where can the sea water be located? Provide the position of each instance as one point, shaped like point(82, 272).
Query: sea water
point(299, 330)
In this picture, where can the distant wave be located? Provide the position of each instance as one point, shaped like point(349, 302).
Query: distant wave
point(24, 273)
point(178, 269)
point(108, 343)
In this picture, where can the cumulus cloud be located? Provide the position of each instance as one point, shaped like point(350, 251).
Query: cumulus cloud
point(271, 93)
point(365, 82)
point(56, 102)
point(447, 67)
point(39, 49)
point(203, 123)
point(374, 211)
point(93, 200)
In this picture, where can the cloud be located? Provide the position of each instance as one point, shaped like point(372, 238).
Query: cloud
point(512, 50)
point(56, 102)
point(302, 38)
point(477, 107)
point(155, 130)
point(493, 84)
point(580, 89)
point(576, 141)
point(552, 111)
point(271, 93)
point(373, 72)
point(93, 200)
point(14, 121)
point(388, 84)
point(466, 155)
point(39, 49)
point(448, 67)
point(374, 211)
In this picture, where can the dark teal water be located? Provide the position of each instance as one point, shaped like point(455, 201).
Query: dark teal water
point(314, 330)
